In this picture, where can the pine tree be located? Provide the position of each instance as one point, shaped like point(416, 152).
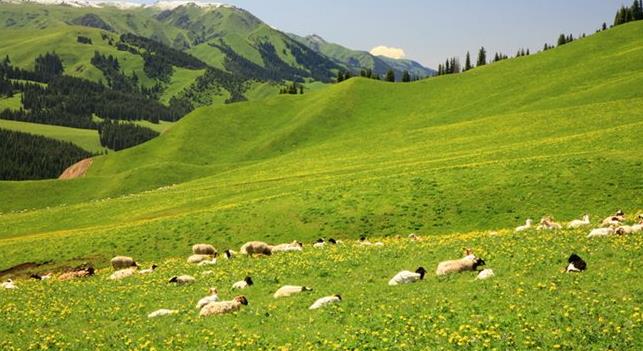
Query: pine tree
point(482, 57)
point(604, 26)
point(467, 62)
point(390, 76)
point(562, 40)
point(637, 11)
point(406, 77)
point(447, 67)
point(301, 90)
point(340, 76)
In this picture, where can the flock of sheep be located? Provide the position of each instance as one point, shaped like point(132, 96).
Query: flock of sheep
point(205, 254)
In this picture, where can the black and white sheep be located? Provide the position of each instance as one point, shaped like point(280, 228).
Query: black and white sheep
point(289, 290)
point(406, 277)
point(461, 265)
point(242, 284)
point(576, 264)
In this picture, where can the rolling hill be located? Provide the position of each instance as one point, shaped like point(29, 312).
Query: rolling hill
point(555, 133)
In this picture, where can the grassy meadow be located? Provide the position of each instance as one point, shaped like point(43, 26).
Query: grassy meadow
point(85, 138)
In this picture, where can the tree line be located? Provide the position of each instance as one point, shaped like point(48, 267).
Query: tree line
point(118, 136)
point(628, 14)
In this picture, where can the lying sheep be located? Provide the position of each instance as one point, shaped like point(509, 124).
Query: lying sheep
point(37, 276)
point(324, 301)
point(597, 232)
point(211, 262)
point(256, 247)
point(522, 228)
point(122, 262)
point(547, 223)
point(485, 274)
point(628, 229)
point(242, 284)
point(294, 246)
point(213, 297)
point(223, 307)
point(149, 270)
point(9, 284)
point(576, 264)
point(577, 223)
point(289, 290)
point(406, 277)
point(204, 249)
point(81, 273)
point(319, 244)
point(196, 259)
point(462, 265)
point(162, 312)
point(614, 220)
point(229, 254)
point(123, 273)
point(182, 280)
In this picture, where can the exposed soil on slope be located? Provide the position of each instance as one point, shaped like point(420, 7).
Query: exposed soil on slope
point(76, 170)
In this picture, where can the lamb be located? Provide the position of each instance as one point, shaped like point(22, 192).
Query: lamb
point(485, 274)
point(600, 232)
point(406, 277)
point(242, 284)
point(149, 270)
point(324, 301)
point(528, 224)
point(162, 312)
point(333, 241)
point(211, 262)
point(37, 276)
point(366, 242)
point(576, 264)
point(9, 284)
point(294, 246)
point(223, 307)
point(81, 273)
point(122, 262)
point(195, 259)
point(289, 290)
point(213, 297)
point(577, 223)
point(547, 223)
point(629, 229)
point(462, 265)
point(229, 254)
point(182, 280)
point(614, 220)
point(123, 273)
point(256, 247)
point(319, 243)
point(204, 249)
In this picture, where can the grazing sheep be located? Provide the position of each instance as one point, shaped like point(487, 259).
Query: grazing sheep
point(223, 307)
point(213, 297)
point(81, 273)
point(41, 276)
point(204, 249)
point(485, 274)
point(162, 312)
point(256, 247)
point(319, 243)
point(528, 224)
point(182, 279)
point(406, 277)
point(229, 254)
point(149, 270)
point(547, 223)
point(462, 265)
point(123, 273)
point(211, 262)
point(122, 262)
point(321, 302)
point(294, 246)
point(9, 284)
point(242, 284)
point(195, 259)
point(576, 264)
point(289, 290)
point(577, 223)
point(600, 232)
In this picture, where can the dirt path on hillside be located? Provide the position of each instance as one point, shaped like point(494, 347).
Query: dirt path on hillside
point(76, 170)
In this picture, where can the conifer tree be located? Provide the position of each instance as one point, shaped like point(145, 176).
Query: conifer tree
point(482, 57)
point(390, 76)
point(467, 62)
point(406, 77)
point(340, 76)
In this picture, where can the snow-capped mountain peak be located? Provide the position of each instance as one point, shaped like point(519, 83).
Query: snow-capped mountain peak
point(162, 5)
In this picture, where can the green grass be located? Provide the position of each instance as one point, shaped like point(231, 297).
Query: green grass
point(12, 103)
point(160, 127)
point(85, 138)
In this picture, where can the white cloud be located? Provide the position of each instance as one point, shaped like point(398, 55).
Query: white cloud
point(382, 50)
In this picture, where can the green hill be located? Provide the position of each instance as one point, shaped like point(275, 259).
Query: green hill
point(555, 133)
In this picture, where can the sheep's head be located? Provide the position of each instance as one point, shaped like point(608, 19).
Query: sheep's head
point(36, 276)
point(173, 279)
point(478, 262)
point(620, 213)
point(242, 300)
point(573, 257)
point(213, 291)
point(339, 297)
point(362, 238)
point(332, 241)
point(421, 271)
point(228, 254)
point(305, 288)
point(90, 271)
point(529, 221)
point(320, 240)
point(248, 280)
point(154, 267)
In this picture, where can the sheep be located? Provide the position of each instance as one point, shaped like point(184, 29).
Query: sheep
point(162, 312)
point(468, 252)
point(213, 297)
point(211, 262)
point(223, 307)
point(122, 262)
point(461, 265)
point(123, 273)
point(149, 270)
point(522, 228)
point(406, 277)
point(37, 276)
point(414, 237)
point(256, 247)
point(365, 242)
point(577, 223)
point(229, 254)
point(576, 264)
point(204, 249)
point(614, 220)
point(319, 243)
point(547, 223)
point(628, 229)
point(182, 280)
point(333, 241)
point(294, 246)
point(485, 274)
point(195, 259)
point(324, 301)
point(600, 232)
point(289, 290)
point(79, 273)
point(242, 284)
point(9, 284)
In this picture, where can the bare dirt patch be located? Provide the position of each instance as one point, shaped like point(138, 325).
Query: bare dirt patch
point(76, 170)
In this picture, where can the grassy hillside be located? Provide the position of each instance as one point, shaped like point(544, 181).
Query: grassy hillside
point(555, 133)
point(85, 138)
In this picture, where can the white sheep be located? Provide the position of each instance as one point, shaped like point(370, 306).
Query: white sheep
point(614, 220)
point(182, 279)
point(78, 273)
point(223, 307)
point(294, 246)
point(162, 312)
point(628, 229)
point(577, 223)
point(149, 270)
point(319, 244)
point(597, 232)
point(122, 273)
point(213, 297)
point(256, 247)
point(196, 259)
point(242, 284)
point(528, 224)
point(485, 274)
point(122, 262)
point(9, 284)
point(211, 262)
point(289, 290)
point(204, 249)
point(406, 277)
point(324, 301)
point(547, 223)
point(461, 265)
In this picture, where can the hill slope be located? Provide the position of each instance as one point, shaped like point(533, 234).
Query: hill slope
point(554, 133)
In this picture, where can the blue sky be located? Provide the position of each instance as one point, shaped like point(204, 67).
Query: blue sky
point(429, 31)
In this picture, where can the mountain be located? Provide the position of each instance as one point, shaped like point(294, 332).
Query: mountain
point(357, 60)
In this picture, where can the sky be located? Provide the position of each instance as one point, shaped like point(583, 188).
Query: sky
point(430, 31)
